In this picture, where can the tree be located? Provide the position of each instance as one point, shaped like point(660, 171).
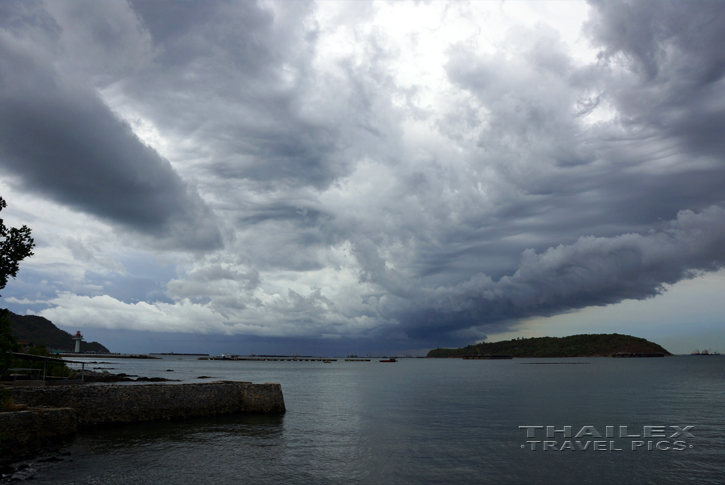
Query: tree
point(7, 343)
point(15, 245)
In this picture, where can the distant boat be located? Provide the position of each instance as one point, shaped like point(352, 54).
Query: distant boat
point(704, 352)
point(392, 359)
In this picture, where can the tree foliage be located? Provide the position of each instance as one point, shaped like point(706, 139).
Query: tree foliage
point(587, 345)
point(7, 342)
point(15, 245)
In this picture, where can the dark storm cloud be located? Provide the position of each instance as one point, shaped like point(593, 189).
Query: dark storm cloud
point(66, 144)
point(608, 178)
point(645, 30)
point(676, 49)
point(361, 202)
point(614, 182)
point(590, 272)
point(303, 216)
point(242, 71)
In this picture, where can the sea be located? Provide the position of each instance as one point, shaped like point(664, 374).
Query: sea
point(425, 421)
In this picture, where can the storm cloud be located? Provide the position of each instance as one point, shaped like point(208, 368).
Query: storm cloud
point(331, 173)
point(65, 143)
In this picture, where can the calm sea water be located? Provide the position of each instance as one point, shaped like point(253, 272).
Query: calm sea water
point(423, 421)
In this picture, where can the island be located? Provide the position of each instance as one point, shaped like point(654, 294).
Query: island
point(585, 345)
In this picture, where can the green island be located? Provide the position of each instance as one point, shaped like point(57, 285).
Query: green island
point(586, 345)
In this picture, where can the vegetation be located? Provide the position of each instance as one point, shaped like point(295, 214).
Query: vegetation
point(588, 345)
point(8, 343)
point(41, 331)
point(15, 245)
point(52, 369)
point(8, 361)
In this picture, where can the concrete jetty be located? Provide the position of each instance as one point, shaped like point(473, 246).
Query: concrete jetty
point(112, 404)
point(55, 413)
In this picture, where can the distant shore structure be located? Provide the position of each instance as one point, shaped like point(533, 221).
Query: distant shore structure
point(176, 353)
point(704, 352)
point(78, 337)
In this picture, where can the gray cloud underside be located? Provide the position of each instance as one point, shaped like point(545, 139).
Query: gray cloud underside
point(516, 205)
point(267, 116)
point(590, 272)
point(65, 143)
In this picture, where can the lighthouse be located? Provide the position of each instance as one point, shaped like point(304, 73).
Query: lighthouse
point(78, 337)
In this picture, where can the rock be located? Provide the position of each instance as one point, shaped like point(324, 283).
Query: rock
point(25, 472)
point(155, 379)
point(50, 459)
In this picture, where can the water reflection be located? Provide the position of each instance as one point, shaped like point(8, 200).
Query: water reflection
point(421, 421)
point(171, 452)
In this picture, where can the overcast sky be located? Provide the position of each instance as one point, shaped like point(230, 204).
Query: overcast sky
point(333, 177)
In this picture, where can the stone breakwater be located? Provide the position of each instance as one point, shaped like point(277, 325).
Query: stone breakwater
point(116, 404)
point(25, 433)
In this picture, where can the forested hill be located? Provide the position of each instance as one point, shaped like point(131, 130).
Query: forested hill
point(594, 345)
point(41, 331)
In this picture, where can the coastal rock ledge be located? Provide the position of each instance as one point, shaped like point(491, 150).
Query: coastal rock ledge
point(116, 404)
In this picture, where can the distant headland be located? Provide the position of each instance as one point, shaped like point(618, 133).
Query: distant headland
point(41, 331)
point(586, 345)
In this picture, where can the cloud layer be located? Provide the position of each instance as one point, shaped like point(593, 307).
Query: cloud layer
point(65, 143)
point(328, 171)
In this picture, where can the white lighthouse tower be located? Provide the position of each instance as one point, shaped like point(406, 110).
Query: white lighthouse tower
point(78, 337)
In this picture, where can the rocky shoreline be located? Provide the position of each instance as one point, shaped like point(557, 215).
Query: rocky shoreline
point(105, 376)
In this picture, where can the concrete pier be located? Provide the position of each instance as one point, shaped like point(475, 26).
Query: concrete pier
point(110, 404)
